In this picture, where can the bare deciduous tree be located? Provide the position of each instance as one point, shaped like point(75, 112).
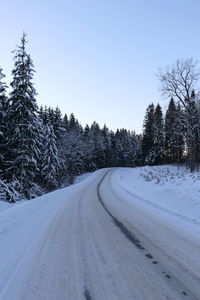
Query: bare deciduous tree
point(180, 80)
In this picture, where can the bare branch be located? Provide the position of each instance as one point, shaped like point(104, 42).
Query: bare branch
point(179, 80)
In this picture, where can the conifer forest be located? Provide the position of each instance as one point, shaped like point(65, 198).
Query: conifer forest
point(43, 149)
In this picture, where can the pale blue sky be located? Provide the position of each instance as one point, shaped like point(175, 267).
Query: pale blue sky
point(98, 58)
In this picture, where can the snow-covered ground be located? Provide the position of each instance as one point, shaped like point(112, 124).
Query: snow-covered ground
point(82, 177)
point(118, 234)
point(172, 191)
point(5, 205)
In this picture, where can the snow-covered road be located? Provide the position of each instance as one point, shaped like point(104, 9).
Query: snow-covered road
point(96, 240)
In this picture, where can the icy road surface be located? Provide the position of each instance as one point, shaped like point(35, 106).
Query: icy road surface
point(97, 240)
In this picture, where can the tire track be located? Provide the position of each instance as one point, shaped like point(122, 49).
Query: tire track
point(128, 234)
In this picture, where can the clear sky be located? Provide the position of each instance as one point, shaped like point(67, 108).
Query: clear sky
point(98, 58)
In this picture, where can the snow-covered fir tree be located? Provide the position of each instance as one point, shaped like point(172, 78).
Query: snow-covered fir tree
point(43, 114)
point(179, 134)
point(106, 144)
point(72, 122)
point(66, 122)
point(170, 132)
point(158, 148)
point(96, 146)
point(3, 110)
point(174, 133)
point(74, 151)
point(23, 131)
point(147, 154)
point(58, 124)
point(192, 131)
point(50, 159)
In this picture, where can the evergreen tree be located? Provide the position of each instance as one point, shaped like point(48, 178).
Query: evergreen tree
point(135, 148)
point(147, 154)
point(179, 144)
point(123, 148)
point(96, 146)
point(113, 154)
point(3, 111)
point(88, 154)
point(72, 122)
point(174, 133)
point(192, 132)
point(41, 112)
point(86, 132)
point(23, 131)
point(58, 125)
point(74, 154)
point(170, 132)
point(50, 115)
point(158, 148)
point(66, 123)
point(50, 161)
point(106, 146)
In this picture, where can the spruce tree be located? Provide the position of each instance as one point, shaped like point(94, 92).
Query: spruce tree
point(3, 111)
point(180, 131)
point(50, 115)
point(123, 148)
point(66, 122)
point(50, 161)
point(106, 146)
point(23, 132)
point(72, 122)
point(170, 132)
point(158, 148)
point(96, 146)
point(58, 125)
point(192, 132)
point(86, 132)
point(74, 154)
point(146, 155)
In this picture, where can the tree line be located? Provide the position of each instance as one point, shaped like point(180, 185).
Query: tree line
point(41, 150)
point(174, 138)
point(162, 139)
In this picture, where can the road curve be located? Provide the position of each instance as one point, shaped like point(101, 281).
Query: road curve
point(95, 245)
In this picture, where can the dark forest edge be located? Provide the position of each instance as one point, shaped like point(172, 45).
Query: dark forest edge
point(41, 150)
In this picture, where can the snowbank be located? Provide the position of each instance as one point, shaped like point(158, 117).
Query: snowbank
point(169, 190)
point(82, 177)
point(5, 205)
